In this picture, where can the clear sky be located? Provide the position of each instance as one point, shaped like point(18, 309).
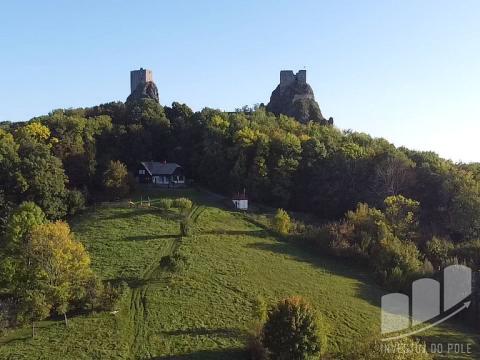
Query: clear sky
point(408, 71)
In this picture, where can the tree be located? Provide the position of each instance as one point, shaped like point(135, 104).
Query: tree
point(45, 178)
point(11, 180)
point(75, 202)
point(293, 331)
point(34, 307)
point(35, 131)
point(116, 180)
point(76, 145)
point(393, 173)
point(21, 221)
point(361, 230)
point(394, 261)
point(281, 222)
point(401, 215)
point(57, 264)
point(439, 251)
point(464, 205)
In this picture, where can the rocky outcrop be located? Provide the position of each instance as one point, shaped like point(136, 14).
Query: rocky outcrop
point(294, 97)
point(145, 90)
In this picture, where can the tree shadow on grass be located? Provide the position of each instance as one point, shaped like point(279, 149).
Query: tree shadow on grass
point(367, 289)
point(25, 333)
point(230, 354)
point(151, 237)
point(223, 332)
point(135, 282)
point(256, 233)
point(131, 213)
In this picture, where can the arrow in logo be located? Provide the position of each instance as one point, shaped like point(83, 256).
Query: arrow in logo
point(463, 307)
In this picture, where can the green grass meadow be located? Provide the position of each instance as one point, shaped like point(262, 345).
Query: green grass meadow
point(205, 311)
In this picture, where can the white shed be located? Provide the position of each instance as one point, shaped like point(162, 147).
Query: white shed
point(240, 201)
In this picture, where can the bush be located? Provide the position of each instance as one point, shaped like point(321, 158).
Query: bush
point(293, 331)
point(281, 222)
point(186, 226)
point(75, 202)
point(182, 203)
point(175, 263)
point(395, 261)
point(255, 348)
point(3, 322)
point(358, 233)
point(401, 214)
point(438, 251)
point(468, 253)
point(366, 226)
point(165, 204)
point(93, 292)
point(110, 296)
point(260, 309)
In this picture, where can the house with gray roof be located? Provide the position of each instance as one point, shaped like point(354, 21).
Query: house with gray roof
point(160, 173)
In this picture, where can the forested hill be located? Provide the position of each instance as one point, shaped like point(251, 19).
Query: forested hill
point(74, 157)
point(313, 168)
point(406, 214)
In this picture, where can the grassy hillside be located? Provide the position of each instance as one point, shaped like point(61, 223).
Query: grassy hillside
point(205, 311)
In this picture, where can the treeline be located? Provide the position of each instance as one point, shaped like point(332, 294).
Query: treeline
point(54, 159)
point(61, 160)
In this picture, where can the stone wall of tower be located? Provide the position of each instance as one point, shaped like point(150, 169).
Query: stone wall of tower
point(287, 77)
point(139, 76)
point(301, 76)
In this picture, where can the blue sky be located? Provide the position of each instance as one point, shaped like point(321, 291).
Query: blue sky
point(408, 71)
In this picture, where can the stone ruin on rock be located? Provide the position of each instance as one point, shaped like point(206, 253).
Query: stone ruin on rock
point(294, 97)
point(142, 85)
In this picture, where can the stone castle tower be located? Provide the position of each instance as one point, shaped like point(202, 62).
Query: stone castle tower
point(287, 77)
point(138, 77)
point(142, 86)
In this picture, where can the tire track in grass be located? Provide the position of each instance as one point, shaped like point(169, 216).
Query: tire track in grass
point(140, 347)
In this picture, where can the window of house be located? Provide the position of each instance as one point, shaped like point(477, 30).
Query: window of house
point(141, 172)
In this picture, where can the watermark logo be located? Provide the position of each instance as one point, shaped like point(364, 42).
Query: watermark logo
point(399, 316)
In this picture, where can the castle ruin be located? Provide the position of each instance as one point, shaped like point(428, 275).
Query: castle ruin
point(287, 77)
point(142, 86)
point(138, 77)
point(294, 97)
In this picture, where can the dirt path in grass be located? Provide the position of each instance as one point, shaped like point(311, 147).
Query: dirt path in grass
point(140, 347)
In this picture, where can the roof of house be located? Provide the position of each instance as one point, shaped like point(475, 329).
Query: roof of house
point(240, 197)
point(160, 168)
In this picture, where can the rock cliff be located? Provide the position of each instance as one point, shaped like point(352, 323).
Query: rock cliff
point(294, 97)
point(145, 90)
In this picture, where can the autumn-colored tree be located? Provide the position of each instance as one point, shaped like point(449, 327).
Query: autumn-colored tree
point(58, 264)
point(35, 131)
point(281, 222)
point(401, 215)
